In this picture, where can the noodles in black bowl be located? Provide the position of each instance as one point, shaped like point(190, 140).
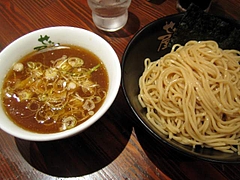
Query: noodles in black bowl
point(155, 109)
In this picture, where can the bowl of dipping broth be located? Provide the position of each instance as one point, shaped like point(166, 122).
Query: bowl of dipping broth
point(56, 82)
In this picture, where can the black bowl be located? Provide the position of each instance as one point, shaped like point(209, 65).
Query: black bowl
point(151, 41)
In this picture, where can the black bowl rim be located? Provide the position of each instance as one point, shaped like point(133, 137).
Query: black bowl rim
point(143, 123)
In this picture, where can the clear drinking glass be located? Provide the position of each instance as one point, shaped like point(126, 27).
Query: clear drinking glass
point(109, 15)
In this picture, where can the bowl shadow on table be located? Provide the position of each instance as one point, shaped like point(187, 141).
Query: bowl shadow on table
point(131, 27)
point(84, 153)
point(161, 155)
point(177, 165)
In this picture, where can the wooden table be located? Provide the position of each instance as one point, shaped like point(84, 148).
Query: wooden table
point(115, 147)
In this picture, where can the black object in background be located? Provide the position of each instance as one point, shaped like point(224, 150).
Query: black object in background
point(182, 5)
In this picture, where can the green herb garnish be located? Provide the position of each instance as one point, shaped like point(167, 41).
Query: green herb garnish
point(46, 42)
point(94, 68)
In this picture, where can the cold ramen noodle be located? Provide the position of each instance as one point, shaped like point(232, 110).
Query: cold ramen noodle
point(55, 89)
point(192, 95)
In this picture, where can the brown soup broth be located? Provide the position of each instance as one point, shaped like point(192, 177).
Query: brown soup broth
point(24, 117)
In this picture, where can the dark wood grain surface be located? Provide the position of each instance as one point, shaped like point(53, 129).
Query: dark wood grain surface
point(115, 147)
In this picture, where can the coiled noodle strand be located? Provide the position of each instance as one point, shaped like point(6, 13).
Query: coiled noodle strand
point(192, 95)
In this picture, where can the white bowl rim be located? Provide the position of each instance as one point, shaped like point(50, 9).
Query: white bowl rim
point(31, 136)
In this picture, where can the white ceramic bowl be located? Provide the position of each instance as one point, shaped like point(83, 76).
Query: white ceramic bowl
point(63, 35)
